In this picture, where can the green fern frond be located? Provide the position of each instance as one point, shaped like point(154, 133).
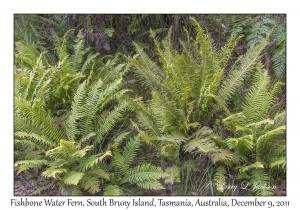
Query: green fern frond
point(263, 139)
point(280, 119)
point(147, 70)
point(143, 173)
point(225, 156)
point(46, 188)
point(224, 54)
point(260, 123)
point(112, 190)
point(237, 75)
point(41, 141)
point(23, 165)
point(170, 151)
point(79, 51)
point(106, 124)
point(280, 163)
point(245, 142)
point(77, 104)
point(72, 177)
point(36, 120)
point(203, 145)
point(260, 183)
point(119, 139)
point(53, 172)
point(91, 184)
point(64, 151)
point(92, 161)
point(150, 185)
point(130, 149)
point(243, 169)
point(255, 104)
point(261, 29)
point(99, 172)
point(82, 152)
point(173, 174)
point(200, 142)
point(220, 178)
point(174, 137)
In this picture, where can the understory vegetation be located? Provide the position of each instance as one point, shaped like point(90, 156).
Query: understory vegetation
point(151, 104)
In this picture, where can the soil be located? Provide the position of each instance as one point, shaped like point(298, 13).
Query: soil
point(27, 182)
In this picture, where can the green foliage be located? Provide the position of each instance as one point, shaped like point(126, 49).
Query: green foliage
point(258, 141)
point(123, 173)
point(65, 114)
point(258, 27)
point(183, 88)
point(206, 118)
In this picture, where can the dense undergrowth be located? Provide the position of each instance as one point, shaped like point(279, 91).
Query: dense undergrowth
point(145, 104)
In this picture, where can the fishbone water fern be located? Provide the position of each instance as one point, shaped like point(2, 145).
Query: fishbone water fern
point(257, 140)
point(125, 173)
point(59, 136)
point(259, 27)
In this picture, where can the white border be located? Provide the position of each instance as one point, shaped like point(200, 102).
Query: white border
point(8, 8)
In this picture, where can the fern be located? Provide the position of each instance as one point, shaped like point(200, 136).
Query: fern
point(173, 175)
point(143, 173)
point(280, 163)
point(260, 29)
point(219, 178)
point(27, 164)
point(72, 177)
point(236, 76)
point(112, 190)
point(260, 183)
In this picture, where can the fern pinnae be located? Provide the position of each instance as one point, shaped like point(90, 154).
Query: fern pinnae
point(39, 140)
point(23, 165)
point(72, 177)
point(76, 107)
point(220, 178)
point(258, 179)
point(91, 184)
point(130, 149)
point(112, 190)
point(142, 173)
point(236, 76)
point(106, 124)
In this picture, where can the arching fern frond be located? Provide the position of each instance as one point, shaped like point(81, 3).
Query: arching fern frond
point(237, 75)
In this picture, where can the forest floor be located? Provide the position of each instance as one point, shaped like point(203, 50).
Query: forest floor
point(27, 182)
